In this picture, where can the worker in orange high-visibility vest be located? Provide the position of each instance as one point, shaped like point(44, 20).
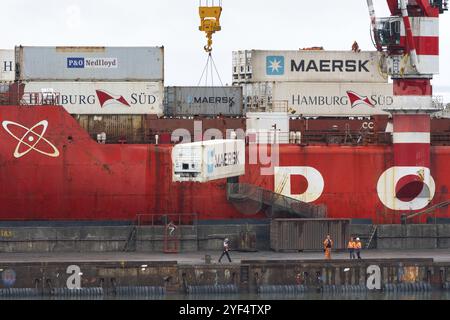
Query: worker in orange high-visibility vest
point(327, 246)
point(358, 247)
point(351, 248)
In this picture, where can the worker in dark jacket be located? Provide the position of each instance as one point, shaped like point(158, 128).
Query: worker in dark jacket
point(226, 248)
point(358, 247)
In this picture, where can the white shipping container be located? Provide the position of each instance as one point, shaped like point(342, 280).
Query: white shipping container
point(320, 99)
point(99, 97)
point(334, 99)
point(208, 160)
point(90, 63)
point(7, 65)
point(314, 66)
point(268, 127)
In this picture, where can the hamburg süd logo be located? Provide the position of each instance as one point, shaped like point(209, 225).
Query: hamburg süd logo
point(105, 99)
point(356, 100)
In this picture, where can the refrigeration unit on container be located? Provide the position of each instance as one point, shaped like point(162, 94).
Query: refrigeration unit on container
point(203, 101)
point(307, 66)
point(98, 97)
point(206, 161)
point(90, 63)
point(7, 66)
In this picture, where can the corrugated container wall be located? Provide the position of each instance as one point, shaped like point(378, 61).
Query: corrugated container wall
point(307, 66)
point(306, 234)
point(99, 97)
point(206, 101)
point(90, 63)
point(320, 99)
point(7, 65)
point(117, 128)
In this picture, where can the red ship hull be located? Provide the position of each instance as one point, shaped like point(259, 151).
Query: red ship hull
point(95, 182)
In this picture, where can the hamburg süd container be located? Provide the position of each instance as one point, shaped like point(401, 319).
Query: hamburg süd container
point(89, 63)
point(205, 101)
point(321, 99)
point(98, 97)
point(206, 161)
point(7, 65)
point(307, 66)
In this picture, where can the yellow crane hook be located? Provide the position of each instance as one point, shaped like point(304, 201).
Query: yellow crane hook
point(210, 20)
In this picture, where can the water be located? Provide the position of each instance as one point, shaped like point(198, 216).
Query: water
point(435, 295)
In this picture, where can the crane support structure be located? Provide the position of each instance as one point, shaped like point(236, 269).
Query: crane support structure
point(409, 40)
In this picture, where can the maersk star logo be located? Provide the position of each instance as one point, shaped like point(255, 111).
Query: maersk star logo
point(275, 65)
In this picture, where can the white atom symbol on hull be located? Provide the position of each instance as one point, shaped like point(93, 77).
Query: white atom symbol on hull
point(30, 139)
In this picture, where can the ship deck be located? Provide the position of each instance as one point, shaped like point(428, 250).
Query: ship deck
point(195, 258)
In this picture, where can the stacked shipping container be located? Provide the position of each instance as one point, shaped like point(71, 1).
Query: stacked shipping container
point(109, 90)
point(6, 74)
point(312, 83)
point(94, 80)
point(6, 66)
point(204, 101)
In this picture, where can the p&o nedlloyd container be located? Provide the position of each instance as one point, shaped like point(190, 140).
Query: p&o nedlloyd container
point(97, 98)
point(7, 66)
point(208, 160)
point(307, 66)
point(89, 63)
point(205, 101)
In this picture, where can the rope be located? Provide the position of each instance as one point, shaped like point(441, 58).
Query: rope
point(209, 71)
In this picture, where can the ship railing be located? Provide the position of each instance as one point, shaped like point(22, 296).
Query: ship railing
point(440, 139)
point(320, 137)
point(162, 219)
point(264, 104)
point(155, 230)
point(262, 138)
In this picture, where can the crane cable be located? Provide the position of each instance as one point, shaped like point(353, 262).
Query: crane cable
point(209, 69)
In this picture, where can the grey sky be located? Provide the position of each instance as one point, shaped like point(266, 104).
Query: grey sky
point(247, 24)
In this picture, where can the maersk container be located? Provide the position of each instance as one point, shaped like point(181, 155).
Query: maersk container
point(90, 63)
point(204, 101)
point(7, 65)
point(98, 98)
point(333, 99)
point(206, 161)
point(309, 66)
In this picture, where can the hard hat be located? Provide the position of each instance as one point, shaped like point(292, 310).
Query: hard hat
point(226, 239)
point(357, 239)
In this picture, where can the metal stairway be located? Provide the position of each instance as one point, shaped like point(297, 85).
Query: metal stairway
point(277, 205)
point(430, 210)
point(372, 236)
